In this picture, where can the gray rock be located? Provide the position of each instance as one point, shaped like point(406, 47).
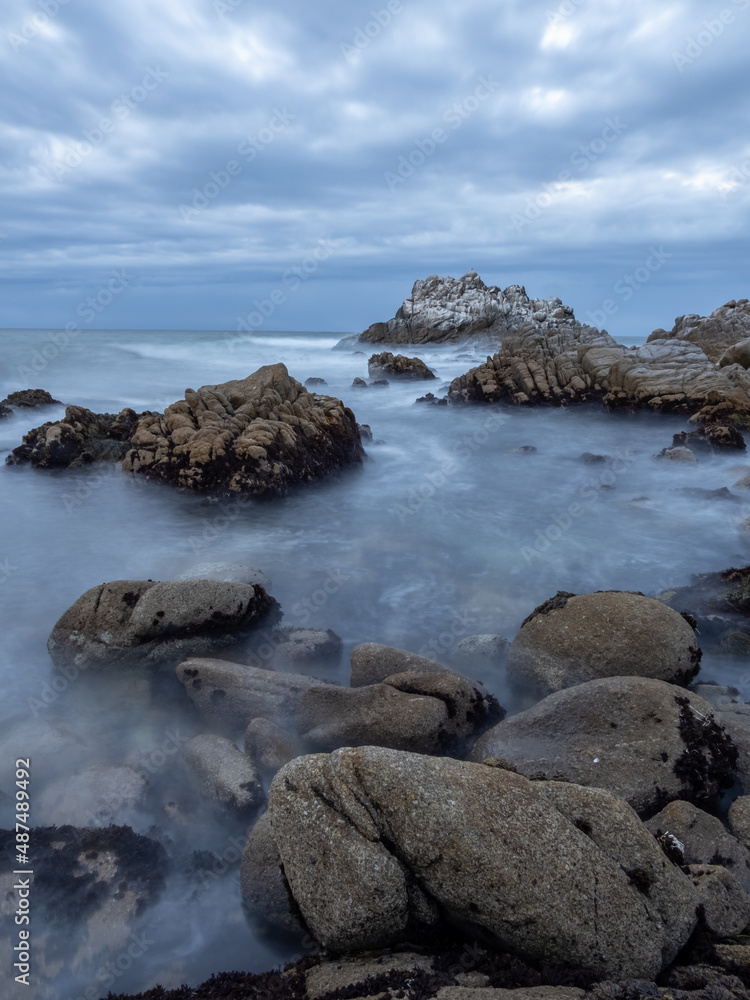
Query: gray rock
point(705, 839)
point(81, 437)
point(678, 454)
point(359, 383)
point(727, 326)
point(424, 713)
point(480, 650)
point(264, 889)
point(255, 436)
point(30, 398)
point(269, 745)
point(399, 366)
point(315, 381)
point(96, 796)
point(346, 973)
point(372, 662)
point(224, 775)
point(302, 647)
point(158, 624)
point(739, 820)
point(726, 905)
point(377, 845)
point(237, 693)
point(573, 638)
point(647, 741)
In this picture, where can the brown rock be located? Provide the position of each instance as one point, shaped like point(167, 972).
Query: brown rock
point(726, 905)
point(269, 745)
point(372, 662)
point(264, 889)
point(398, 366)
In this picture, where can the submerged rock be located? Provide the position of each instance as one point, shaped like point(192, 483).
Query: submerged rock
point(644, 740)
point(379, 847)
point(398, 366)
point(451, 309)
point(158, 624)
point(224, 775)
point(98, 795)
point(81, 437)
point(574, 638)
point(269, 745)
point(720, 604)
point(255, 436)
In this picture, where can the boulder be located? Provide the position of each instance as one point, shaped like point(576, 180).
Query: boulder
point(223, 775)
point(684, 455)
point(359, 383)
point(645, 740)
point(265, 892)
point(269, 745)
point(432, 400)
point(25, 399)
point(727, 326)
point(315, 381)
point(739, 820)
point(81, 437)
point(737, 354)
point(297, 647)
point(705, 839)
point(372, 662)
point(573, 638)
point(255, 436)
point(380, 846)
point(98, 795)
point(725, 906)
point(448, 309)
point(398, 366)
point(424, 713)
point(237, 693)
point(157, 624)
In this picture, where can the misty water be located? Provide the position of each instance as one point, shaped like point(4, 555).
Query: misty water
point(445, 530)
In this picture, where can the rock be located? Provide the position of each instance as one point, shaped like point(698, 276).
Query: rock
point(315, 381)
point(255, 436)
point(720, 603)
point(94, 797)
point(734, 957)
point(268, 745)
point(705, 839)
point(739, 820)
point(737, 726)
point(300, 647)
point(700, 494)
point(525, 449)
point(359, 383)
point(237, 693)
point(158, 624)
point(737, 354)
point(398, 366)
point(372, 662)
point(424, 713)
point(647, 741)
point(573, 638)
point(223, 774)
point(451, 309)
point(590, 459)
point(725, 904)
point(716, 437)
point(727, 326)
point(5, 411)
point(677, 455)
point(381, 383)
point(716, 695)
point(348, 973)
point(28, 398)
point(480, 650)
point(226, 573)
point(264, 889)
point(379, 846)
point(365, 431)
point(79, 438)
point(432, 400)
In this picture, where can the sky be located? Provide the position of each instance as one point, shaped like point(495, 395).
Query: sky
point(231, 164)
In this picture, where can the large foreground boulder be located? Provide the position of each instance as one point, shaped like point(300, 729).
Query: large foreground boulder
point(379, 847)
point(573, 638)
point(81, 437)
point(157, 624)
point(398, 366)
point(254, 436)
point(452, 309)
point(647, 741)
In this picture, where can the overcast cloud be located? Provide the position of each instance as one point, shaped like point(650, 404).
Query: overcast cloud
point(212, 150)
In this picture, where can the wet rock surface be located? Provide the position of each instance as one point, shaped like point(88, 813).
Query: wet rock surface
point(399, 843)
point(80, 438)
point(255, 436)
point(398, 366)
point(223, 774)
point(644, 740)
point(573, 638)
point(157, 624)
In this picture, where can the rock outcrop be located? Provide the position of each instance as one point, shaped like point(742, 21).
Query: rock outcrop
point(255, 436)
point(379, 847)
point(26, 399)
point(79, 438)
point(157, 624)
point(644, 740)
point(726, 326)
point(573, 638)
point(452, 309)
point(399, 366)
